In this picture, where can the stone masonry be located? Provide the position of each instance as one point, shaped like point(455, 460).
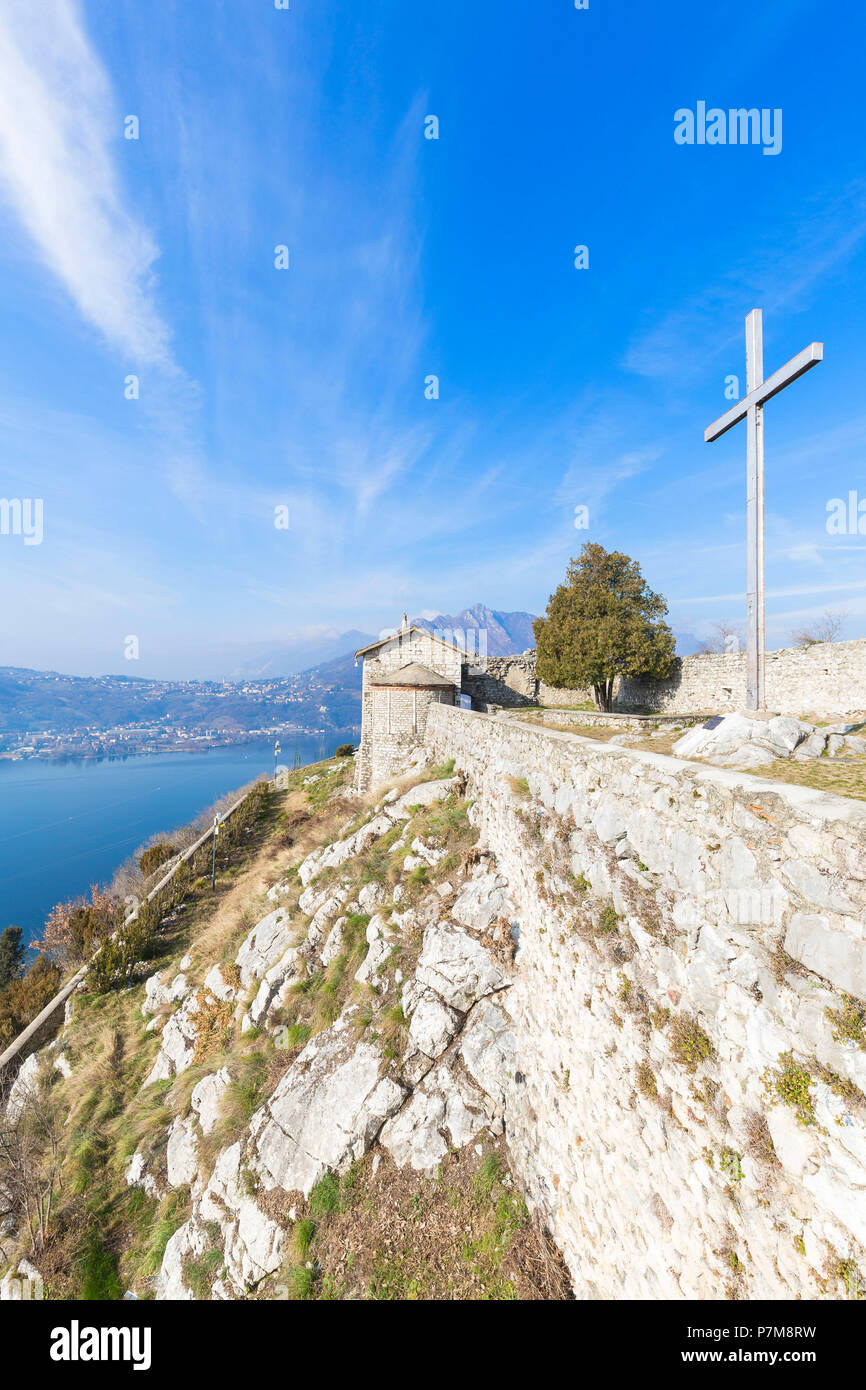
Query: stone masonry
point(828, 678)
point(689, 1114)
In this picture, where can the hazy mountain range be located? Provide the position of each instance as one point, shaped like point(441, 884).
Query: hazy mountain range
point(506, 633)
point(271, 661)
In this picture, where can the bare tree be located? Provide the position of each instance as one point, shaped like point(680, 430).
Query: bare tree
point(30, 1164)
point(726, 636)
point(823, 629)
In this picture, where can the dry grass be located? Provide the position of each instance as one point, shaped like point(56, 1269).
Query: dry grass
point(841, 776)
point(105, 1236)
point(463, 1234)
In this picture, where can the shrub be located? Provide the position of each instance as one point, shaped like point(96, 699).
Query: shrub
point(849, 1022)
point(607, 922)
point(74, 929)
point(689, 1043)
point(154, 856)
point(345, 750)
point(646, 1081)
point(113, 966)
point(792, 1084)
point(23, 999)
point(730, 1163)
point(12, 953)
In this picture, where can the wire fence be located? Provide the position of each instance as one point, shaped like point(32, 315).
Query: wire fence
point(17, 1046)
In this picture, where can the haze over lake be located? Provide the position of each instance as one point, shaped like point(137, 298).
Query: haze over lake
point(66, 825)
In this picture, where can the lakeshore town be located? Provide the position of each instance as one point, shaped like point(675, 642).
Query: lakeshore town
point(113, 717)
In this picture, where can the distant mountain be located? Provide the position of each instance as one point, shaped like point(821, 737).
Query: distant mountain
point(688, 643)
point(274, 662)
point(339, 674)
point(507, 633)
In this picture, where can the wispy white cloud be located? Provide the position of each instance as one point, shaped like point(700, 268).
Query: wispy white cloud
point(687, 335)
point(58, 123)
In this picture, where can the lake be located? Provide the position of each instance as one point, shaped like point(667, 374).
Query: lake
point(66, 825)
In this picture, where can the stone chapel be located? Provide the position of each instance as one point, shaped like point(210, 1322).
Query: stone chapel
point(405, 673)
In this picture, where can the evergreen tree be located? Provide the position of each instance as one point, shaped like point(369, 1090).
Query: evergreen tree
point(603, 622)
point(12, 953)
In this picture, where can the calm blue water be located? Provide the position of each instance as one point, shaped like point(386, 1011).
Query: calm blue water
point(64, 826)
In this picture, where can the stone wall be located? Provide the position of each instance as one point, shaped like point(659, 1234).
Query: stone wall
point(504, 680)
point(596, 719)
point(395, 720)
point(826, 679)
point(688, 1115)
point(414, 646)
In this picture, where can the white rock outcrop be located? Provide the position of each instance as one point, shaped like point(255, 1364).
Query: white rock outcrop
point(457, 967)
point(177, 1042)
point(325, 1112)
point(182, 1154)
point(746, 740)
point(447, 1102)
point(264, 946)
point(207, 1096)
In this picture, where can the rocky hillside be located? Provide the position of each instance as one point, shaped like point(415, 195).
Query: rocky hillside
point(303, 1095)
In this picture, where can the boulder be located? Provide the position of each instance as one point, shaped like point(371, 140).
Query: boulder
point(252, 1243)
point(380, 942)
point(218, 986)
point(336, 854)
point(745, 739)
point(158, 992)
point(446, 1100)
point(432, 1025)
point(333, 942)
point(137, 1175)
point(489, 1049)
point(177, 1042)
point(25, 1085)
point(481, 901)
point(266, 944)
point(206, 1098)
point(182, 1154)
point(326, 1111)
point(425, 794)
point(457, 966)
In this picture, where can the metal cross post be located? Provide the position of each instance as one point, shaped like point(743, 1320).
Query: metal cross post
point(751, 409)
point(216, 831)
point(276, 751)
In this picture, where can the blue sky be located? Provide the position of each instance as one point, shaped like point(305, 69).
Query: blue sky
point(304, 388)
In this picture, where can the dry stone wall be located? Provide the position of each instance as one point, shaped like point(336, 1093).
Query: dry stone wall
point(825, 679)
point(504, 680)
point(687, 1105)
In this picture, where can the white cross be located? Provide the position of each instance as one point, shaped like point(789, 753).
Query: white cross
point(751, 409)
